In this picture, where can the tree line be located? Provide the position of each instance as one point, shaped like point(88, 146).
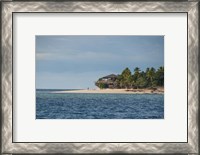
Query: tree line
point(150, 78)
point(141, 79)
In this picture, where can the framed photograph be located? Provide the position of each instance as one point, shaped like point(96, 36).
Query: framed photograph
point(99, 77)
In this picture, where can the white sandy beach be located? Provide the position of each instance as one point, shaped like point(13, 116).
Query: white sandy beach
point(115, 91)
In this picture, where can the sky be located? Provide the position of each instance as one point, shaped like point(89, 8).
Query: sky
point(76, 62)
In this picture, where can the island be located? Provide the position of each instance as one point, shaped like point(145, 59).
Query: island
point(150, 81)
point(151, 78)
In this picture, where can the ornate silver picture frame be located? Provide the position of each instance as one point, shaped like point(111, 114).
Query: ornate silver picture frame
point(8, 8)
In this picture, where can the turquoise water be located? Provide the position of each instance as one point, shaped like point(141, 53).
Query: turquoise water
point(98, 106)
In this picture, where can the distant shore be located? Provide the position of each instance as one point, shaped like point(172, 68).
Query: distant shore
point(115, 91)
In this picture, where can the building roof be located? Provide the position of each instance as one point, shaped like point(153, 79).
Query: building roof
point(109, 76)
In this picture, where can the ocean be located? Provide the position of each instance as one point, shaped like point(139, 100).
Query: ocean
point(51, 105)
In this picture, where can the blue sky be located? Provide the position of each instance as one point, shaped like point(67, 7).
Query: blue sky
point(76, 62)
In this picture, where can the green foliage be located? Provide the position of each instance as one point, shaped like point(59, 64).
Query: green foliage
point(101, 85)
point(150, 78)
point(136, 74)
point(126, 78)
point(126, 74)
point(159, 76)
point(141, 82)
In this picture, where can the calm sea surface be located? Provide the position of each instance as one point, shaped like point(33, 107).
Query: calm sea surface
point(98, 106)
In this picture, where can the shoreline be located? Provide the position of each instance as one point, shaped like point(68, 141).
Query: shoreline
point(114, 91)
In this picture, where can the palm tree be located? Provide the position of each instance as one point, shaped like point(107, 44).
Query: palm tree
point(147, 70)
point(136, 70)
point(126, 77)
point(135, 76)
point(160, 76)
point(150, 75)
